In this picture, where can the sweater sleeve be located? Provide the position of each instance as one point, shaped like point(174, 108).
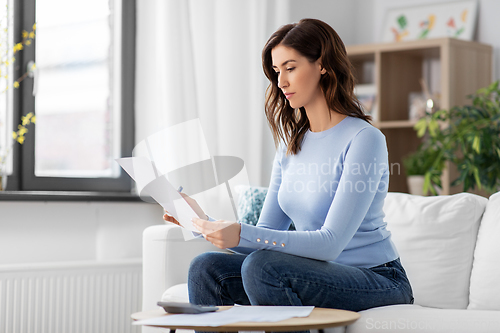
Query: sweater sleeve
point(350, 204)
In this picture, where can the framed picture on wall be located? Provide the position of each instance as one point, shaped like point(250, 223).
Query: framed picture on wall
point(450, 19)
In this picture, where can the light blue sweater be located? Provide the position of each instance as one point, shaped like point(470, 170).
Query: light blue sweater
point(333, 190)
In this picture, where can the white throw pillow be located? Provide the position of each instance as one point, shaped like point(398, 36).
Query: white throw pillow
point(435, 237)
point(177, 293)
point(485, 277)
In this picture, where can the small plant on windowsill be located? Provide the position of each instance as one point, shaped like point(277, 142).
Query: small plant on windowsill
point(469, 137)
point(7, 59)
point(18, 136)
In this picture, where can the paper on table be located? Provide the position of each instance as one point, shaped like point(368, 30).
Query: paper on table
point(161, 190)
point(233, 315)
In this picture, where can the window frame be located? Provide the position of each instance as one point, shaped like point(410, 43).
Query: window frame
point(23, 176)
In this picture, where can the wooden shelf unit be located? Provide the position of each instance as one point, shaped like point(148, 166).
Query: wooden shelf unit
point(396, 69)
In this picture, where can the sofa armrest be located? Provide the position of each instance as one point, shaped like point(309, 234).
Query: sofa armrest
point(166, 258)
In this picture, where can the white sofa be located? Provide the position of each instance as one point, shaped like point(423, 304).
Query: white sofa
point(449, 246)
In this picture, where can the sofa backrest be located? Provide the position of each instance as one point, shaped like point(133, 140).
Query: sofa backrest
point(485, 276)
point(435, 238)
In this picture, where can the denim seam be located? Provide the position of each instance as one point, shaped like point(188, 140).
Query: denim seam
point(405, 295)
point(226, 276)
point(282, 284)
point(347, 289)
point(219, 293)
point(219, 281)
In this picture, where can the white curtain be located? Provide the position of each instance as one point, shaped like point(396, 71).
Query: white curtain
point(202, 59)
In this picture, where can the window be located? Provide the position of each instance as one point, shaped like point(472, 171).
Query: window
point(81, 91)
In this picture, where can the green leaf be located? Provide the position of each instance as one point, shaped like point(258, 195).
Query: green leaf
point(476, 145)
point(427, 182)
point(402, 22)
point(498, 152)
point(423, 34)
point(476, 176)
point(421, 127)
point(492, 87)
point(433, 127)
point(482, 91)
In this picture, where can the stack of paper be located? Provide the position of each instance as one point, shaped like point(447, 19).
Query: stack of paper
point(233, 315)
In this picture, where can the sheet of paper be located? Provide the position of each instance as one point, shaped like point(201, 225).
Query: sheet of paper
point(161, 190)
point(140, 169)
point(167, 196)
point(233, 315)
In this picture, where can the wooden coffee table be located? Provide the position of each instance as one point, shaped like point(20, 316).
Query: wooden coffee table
point(319, 318)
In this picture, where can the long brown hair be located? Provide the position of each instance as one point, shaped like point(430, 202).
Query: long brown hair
point(314, 39)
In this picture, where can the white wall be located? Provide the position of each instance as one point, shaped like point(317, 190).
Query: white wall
point(340, 14)
point(41, 232)
point(353, 20)
point(487, 30)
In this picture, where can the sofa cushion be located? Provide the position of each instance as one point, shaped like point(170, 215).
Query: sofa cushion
point(415, 318)
point(250, 202)
point(485, 277)
point(435, 237)
point(177, 293)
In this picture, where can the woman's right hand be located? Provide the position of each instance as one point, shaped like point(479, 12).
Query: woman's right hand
point(194, 205)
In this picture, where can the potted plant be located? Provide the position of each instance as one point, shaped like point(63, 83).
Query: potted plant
point(469, 137)
point(416, 165)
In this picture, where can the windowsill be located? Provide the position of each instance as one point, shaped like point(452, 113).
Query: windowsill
point(68, 196)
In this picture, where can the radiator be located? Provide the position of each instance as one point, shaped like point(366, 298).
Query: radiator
point(86, 297)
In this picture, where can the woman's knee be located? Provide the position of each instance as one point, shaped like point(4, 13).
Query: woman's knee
point(260, 267)
point(263, 279)
point(203, 263)
point(215, 264)
point(253, 263)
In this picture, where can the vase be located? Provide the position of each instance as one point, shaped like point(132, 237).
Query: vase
point(415, 185)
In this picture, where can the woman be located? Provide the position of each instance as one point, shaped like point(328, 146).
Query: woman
point(330, 177)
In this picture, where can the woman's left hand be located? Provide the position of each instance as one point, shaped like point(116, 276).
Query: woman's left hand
point(223, 234)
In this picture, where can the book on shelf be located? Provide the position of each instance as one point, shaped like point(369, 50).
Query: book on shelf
point(367, 96)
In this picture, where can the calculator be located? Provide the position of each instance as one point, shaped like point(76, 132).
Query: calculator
point(178, 307)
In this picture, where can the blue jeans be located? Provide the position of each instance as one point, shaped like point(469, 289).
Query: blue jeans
point(275, 278)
